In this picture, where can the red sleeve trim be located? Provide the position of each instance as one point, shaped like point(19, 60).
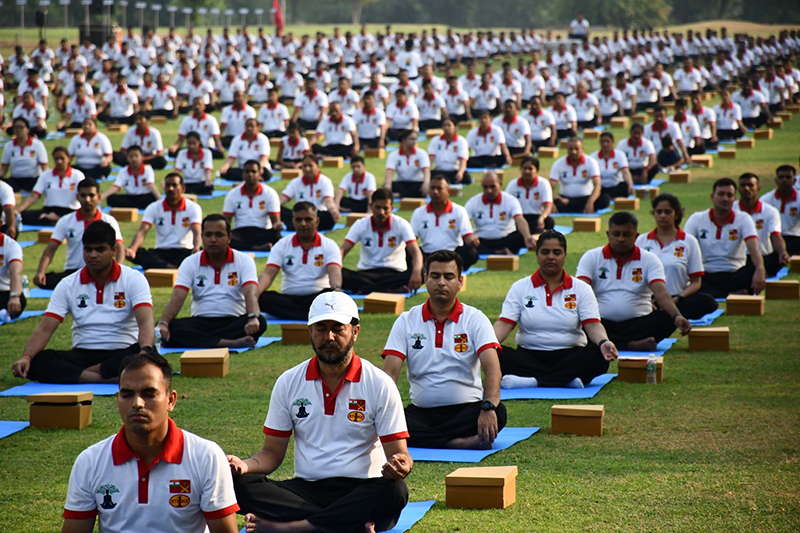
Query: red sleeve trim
point(55, 240)
point(507, 320)
point(584, 278)
point(287, 197)
point(518, 215)
point(277, 433)
point(485, 347)
point(467, 234)
point(32, 192)
point(146, 304)
point(184, 287)
point(351, 242)
point(657, 280)
point(273, 265)
point(146, 224)
point(775, 233)
point(227, 214)
point(251, 282)
point(395, 353)
point(222, 513)
point(697, 274)
point(335, 264)
point(409, 241)
point(57, 317)
point(751, 237)
point(79, 515)
point(589, 321)
point(395, 436)
point(196, 224)
point(20, 260)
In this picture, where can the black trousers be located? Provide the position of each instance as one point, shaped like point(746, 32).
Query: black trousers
point(374, 280)
point(450, 176)
point(755, 122)
point(274, 134)
point(729, 135)
point(333, 150)
point(697, 305)
point(369, 143)
point(513, 241)
point(565, 134)
point(544, 143)
point(792, 244)
point(578, 203)
point(469, 255)
point(237, 174)
point(516, 150)
point(160, 257)
point(287, 306)
point(408, 189)
point(772, 263)
point(458, 119)
point(199, 188)
point(97, 173)
point(393, 134)
point(331, 505)
point(226, 141)
point(554, 368)
point(21, 184)
point(140, 201)
point(307, 124)
point(639, 176)
point(53, 278)
point(158, 162)
point(326, 221)
point(32, 216)
point(486, 161)
point(533, 221)
point(430, 124)
point(620, 190)
point(108, 119)
point(159, 113)
point(71, 126)
point(253, 238)
point(66, 366)
point(587, 124)
point(354, 206)
point(657, 324)
point(721, 284)
point(207, 332)
point(434, 427)
point(4, 297)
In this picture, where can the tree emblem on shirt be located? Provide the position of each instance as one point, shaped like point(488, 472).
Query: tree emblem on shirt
point(71, 234)
point(300, 195)
point(479, 216)
point(529, 299)
point(368, 241)
point(82, 299)
point(290, 260)
point(603, 273)
point(418, 337)
point(201, 280)
point(160, 221)
point(424, 224)
point(301, 403)
point(703, 233)
point(107, 490)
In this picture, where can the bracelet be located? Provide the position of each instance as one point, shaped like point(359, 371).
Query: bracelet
point(676, 315)
point(407, 473)
point(257, 461)
point(599, 344)
point(162, 322)
point(27, 356)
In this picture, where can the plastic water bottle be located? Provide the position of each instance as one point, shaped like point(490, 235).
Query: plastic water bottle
point(157, 340)
point(26, 287)
point(19, 223)
point(4, 316)
point(652, 369)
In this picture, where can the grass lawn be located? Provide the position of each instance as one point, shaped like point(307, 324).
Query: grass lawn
point(712, 448)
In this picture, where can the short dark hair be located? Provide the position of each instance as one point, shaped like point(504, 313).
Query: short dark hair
point(134, 148)
point(99, 232)
point(357, 159)
point(216, 217)
point(622, 218)
point(60, 149)
point(444, 256)
point(530, 159)
point(659, 108)
point(786, 168)
point(304, 206)
point(142, 359)
point(192, 135)
point(251, 162)
point(748, 176)
point(88, 183)
point(673, 202)
point(405, 134)
point(607, 134)
point(724, 182)
point(23, 120)
point(174, 175)
point(551, 234)
point(382, 194)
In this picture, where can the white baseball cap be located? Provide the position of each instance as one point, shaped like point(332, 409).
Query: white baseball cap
point(332, 305)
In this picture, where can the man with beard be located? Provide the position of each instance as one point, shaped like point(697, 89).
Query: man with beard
point(349, 437)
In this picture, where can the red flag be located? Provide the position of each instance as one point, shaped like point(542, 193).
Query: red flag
point(278, 15)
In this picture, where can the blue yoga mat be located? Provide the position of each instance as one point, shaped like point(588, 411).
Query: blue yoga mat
point(32, 387)
point(782, 273)
point(108, 210)
point(412, 514)
point(655, 183)
point(273, 320)
point(335, 227)
point(708, 319)
point(481, 170)
point(214, 194)
point(505, 439)
point(256, 253)
point(557, 393)
point(522, 251)
point(473, 270)
point(563, 230)
point(8, 427)
point(35, 227)
point(661, 349)
point(581, 215)
point(24, 315)
point(40, 293)
point(262, 342)
point(25, 244)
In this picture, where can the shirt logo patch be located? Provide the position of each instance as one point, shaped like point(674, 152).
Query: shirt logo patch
point(179, 500)
point(733, 235)
point(603, 273)
point(503, 216)
point(793, 211)
point(637, 275)
point(460, 338)
point(233, 279)
point(536, 196)
point(180, 486)
point(570, 301)
point(201, 281)
point(529, 299)
point(2, 260)
point(289, 260)
point(392, 242)
point(302, 403)
point(82, 299)
point(355, 416)
point(357, 404)
point(119, 300)
point(703, 233)
point(368, 241)
point(319, 260)
point(451, 223)
point(760, 223)
point(461, 348)
point(418, 337)
point(107, 490)
point(185, 222)
point(262, 205)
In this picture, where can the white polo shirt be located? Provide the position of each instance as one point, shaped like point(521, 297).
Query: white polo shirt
point(448, 154)
point(234, 119)
point(149, 141)
point(647, 93)
point(369, 124)
point(193, 168)
point(382, 248)
point(445, 231)
point(120, 103)
point(509, 91)
point(655, 133)
point(252, 212)
point(314, 191)
point(71, 227)
point(408, 167)
point(533, 198)
point(59, 191)
point(273, 118)
point(550, 320)
point(540, 124)
point(173, 225)
point(294, 150)
point(516, 132)
point(217, 293)
point(11, 251)
point(341, 131)
point(584, 107)
point(456, 102)
point(135, 182)
point(690, 129)
point(750, 104)
point(206, 126)
point(575, 180)
point(688, 80)
point(484, 98)
point(311, 104)
point(767, 220)
point(564, 116)
point(162, 98)
point(723, 246)
point(7, 199)
point(401, 117)
point(611, 167)
point(430, 108)
point(358, 187)
point(483, 143)
point(728, 117)
point(336, 433)
point(609, 103)
point(89, 151)
point(102, 317)
point(442, 358)
point(244, 150)
point(788, 209)
point(494, 219)
point(226, 88)
point(24, 161)
point(349, 100)
point(681, 258)
point(622, 288)
point(199, 90)
point(705, 117)
point(188, 484)
point(305, 270)
point(639, 154)
point(80, 111)
point(31, 114)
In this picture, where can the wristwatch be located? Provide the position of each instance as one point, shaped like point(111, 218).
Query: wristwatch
point(486, 405)
point(13, 295)
point(251, 315)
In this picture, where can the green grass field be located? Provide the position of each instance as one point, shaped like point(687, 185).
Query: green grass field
point(715, 447)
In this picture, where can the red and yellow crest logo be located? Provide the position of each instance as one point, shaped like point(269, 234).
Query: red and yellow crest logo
point(185, 222)
point(392, 242)
point(233, 279)
point(733, 235)
point(319, 259)
point(355, 416)
point(357, 404)
point(119, 300)
point(179, 500)
point(451, 223)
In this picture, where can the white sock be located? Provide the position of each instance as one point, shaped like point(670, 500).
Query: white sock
point(511, 381)
point(575, 384)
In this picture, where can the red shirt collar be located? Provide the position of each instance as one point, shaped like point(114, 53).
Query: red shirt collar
point(204, 257)
point(680, 236)
point(67, 174)
point(388, 224)
point(314, 181)
point(521, 182)
point(30, 141)
point(579, 163)
point(729, 220)
point(132, 173)
point(636, 255)
point(454, 315)
point(113, 276)
point(172, 452)
point(601, 156)
point(97, 215)
point(258, 191)
point(180, 207)
point(792, 198)
point(317, 241)
point(630, 142)
point(537, 281)
point(505, 119)
point(756, 209)
point(496, 201)
point(353, 371)
point(448, 208)
point(413, 151)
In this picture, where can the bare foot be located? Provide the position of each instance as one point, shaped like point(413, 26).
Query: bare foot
point(242, 342)
point(643, 345)
point(505, 251)
point(469, 443)
point(261, 525)
point(369, 527)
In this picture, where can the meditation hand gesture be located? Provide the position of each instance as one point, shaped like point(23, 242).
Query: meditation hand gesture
point(21, 366)
point(609, 351)
point(397, 467)
point(238, 467)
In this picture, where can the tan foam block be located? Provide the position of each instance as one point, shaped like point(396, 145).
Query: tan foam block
point(502, 262)
point(409, 204)
point(794, 263)
point(275, 142)
point(384, 302)
point(564, 143)
point(291, 173)
point(783, 290)
point(650, 193)
point(706, 160)
point(333, 162)
point(17, 198)
point(634, 369)
point(710, 339)
point(640, 117)
point(681, 176)
point(125, 214)
point(739, 304)
point(586, 225)
point(669, 105)
point(626, 204)
point(650, 112)
point(161, 277)
point(591, 134)
point(577, 419)
point(158, 119)
point(548, 153)
point(294, 334)
point(375, 153)
point(122, 128)
point(43, 236)
point(745, 143)
point(727, 154)
point(620, 122)
point(456, 190)
point(775, 123)
point(192, 197)
point(352, 218)
point(463, 284)
point(708, 96)
point(516, 159)
point(785, 115)
point(211, 363)
point(466, 125)
point(483, 487)
point(434, 132)
point(72, 132)
point(793, 109)
point(66, 410)
point(311, 135)
point(761, 134)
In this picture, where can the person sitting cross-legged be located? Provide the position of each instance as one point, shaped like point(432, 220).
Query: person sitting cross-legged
point(256, 211)
point(359, 185)
point(137, 179)
point(59, 186)
point(315, 188)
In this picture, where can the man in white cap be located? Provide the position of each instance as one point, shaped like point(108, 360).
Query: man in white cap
point(349, 437)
